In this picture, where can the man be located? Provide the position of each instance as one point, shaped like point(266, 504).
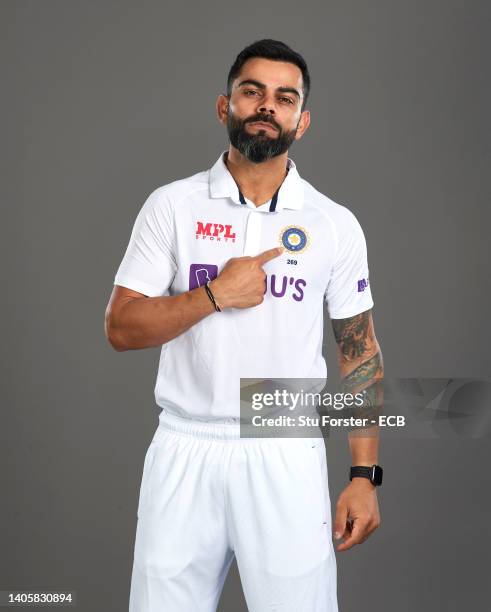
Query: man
point(228, 271)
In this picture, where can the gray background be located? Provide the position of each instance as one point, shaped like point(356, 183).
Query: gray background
point(105, 101)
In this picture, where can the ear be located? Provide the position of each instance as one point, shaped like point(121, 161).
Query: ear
point(222, 106)
point(303, 124)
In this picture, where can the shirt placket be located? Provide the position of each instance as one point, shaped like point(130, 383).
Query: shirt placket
point(252, 241)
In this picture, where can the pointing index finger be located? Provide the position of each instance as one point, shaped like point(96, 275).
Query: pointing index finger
point(266, 256)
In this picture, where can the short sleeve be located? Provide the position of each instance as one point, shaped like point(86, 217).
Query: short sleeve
point(149, 263)
point(348, 292)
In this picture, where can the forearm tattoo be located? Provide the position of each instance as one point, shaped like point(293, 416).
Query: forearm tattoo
point(361, 363)
point(351, 334)
point(366, 371)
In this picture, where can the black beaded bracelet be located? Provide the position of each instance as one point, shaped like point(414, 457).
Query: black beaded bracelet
point(212, 298)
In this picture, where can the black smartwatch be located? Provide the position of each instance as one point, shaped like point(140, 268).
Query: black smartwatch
point(374, 473)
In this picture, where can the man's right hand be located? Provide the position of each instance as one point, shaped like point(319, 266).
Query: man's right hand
point(242, 282)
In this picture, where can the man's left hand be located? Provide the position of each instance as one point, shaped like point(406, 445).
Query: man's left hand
point(357, 513)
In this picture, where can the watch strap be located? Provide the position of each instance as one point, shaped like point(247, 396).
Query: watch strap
point(373, 473)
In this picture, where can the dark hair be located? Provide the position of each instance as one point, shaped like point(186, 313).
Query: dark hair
point(273, 50)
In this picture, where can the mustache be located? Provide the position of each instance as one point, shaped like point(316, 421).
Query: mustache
point(263, 119)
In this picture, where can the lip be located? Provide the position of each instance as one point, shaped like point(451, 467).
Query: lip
point(266, 126)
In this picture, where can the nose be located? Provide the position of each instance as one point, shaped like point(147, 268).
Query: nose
point(266, 109)
point(267, 105)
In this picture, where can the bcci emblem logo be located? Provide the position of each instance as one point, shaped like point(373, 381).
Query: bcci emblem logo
point(294, 239)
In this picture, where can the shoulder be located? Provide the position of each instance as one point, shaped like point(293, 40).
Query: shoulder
point(340, 218)
point(170, 195)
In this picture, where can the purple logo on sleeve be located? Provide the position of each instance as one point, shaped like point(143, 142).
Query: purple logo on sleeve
point(362, 284)
point(200, 274)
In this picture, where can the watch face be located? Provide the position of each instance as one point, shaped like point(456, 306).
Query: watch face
point(377, 475)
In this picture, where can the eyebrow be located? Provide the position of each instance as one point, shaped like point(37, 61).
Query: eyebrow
point(263, 86)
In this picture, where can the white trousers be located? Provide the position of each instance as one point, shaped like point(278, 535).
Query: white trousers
point(207, 495)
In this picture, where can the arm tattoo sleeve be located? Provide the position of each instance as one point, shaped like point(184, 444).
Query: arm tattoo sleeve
point(361, 363)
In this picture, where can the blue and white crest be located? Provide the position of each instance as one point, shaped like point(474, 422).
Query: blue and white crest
point(294, 238)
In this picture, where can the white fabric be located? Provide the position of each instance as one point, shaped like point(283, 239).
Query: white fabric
point(207, 495)
point(186, 232)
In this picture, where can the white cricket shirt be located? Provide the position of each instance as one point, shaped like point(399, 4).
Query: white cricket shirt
point(183, 236)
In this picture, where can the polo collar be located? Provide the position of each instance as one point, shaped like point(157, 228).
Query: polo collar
point(288, 195)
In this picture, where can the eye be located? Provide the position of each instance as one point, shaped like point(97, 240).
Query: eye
point(248, 91)
point(289, 100)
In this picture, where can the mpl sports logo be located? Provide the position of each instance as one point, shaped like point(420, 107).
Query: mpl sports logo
point(362, 284)
point(214, 231)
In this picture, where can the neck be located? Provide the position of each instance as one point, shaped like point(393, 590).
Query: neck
point(257, 182)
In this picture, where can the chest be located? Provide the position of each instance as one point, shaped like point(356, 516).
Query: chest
point(208, 237)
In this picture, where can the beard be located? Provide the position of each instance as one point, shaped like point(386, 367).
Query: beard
point(262, 145)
